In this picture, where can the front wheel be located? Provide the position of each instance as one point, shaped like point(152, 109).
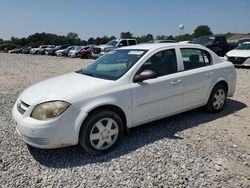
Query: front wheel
point(101, 132)
point(217, 99)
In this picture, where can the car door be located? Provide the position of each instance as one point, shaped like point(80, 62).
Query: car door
point(161, 96)
point(197, 76)
point(123, 43)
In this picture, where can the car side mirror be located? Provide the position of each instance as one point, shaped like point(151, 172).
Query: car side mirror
point(120, 45)
point(145, 75)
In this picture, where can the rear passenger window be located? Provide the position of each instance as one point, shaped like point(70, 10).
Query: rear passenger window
point(195, 58)
point(131, 42)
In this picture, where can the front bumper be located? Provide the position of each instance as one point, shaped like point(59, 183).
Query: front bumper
point(97, 55)
point(239, 61)
point(71, 54)
point(55, 133)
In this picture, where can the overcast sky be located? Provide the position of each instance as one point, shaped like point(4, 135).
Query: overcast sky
point(20, 18)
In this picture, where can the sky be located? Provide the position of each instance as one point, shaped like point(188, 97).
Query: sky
point(96, 18)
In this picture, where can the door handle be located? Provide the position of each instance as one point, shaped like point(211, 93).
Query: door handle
point(175, 82)
point(209, 74)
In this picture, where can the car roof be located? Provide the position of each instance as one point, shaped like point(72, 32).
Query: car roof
point(154, 46)
point(121, 39)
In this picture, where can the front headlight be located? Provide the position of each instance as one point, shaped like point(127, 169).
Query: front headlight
point(49, 110)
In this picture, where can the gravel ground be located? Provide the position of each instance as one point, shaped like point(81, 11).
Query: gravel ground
point(193, 149)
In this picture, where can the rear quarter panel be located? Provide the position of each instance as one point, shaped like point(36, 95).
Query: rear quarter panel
point(224, 71)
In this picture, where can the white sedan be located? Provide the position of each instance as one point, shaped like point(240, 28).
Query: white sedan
point(240, 56)
point(122, 89)
point(73, 52)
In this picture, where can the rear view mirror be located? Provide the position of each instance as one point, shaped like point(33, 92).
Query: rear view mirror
point(145, 75)
point(120, 45)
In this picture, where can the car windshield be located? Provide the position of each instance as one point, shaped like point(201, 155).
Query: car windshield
point(112, 43)
point(241, 41)
point(86, 48)
point(69, 48)
point(113, 64)
point(202, 40)
point(245, 46)
point(74, 48)
point(79, 48)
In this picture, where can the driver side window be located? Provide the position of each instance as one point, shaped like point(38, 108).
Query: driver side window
point(123, 43)
point(162, 63)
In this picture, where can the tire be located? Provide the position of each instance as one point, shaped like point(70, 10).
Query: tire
point(101, 131)
point(88, 56)
point(217, 99)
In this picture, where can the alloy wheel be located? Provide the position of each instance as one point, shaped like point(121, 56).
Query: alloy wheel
point(219, 99)
point(104, 134)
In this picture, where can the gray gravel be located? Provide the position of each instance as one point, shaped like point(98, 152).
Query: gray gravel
point(193, 149)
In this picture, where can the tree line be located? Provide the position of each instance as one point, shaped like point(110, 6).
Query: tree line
point(38, 39)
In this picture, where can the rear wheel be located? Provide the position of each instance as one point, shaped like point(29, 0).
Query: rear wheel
point(101, 132)
point(88, 55)
point(217, 99)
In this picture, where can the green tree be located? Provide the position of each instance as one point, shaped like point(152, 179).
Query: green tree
point(149, 37)
point(73, 38)
point(112, 38)
point(185, 37)
point(202, 30)
point(91, 40)
point(141, 39)
point(161, 37)
point(145, 38)
point(72, 35)
point(229, 34)
point(170, 37)
point(84, 42)
point(98, 41)
point(105, 39)
point(126, 35)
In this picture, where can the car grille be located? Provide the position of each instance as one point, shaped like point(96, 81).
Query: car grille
point(237, 60)
point(97, 50)
point(22, 107)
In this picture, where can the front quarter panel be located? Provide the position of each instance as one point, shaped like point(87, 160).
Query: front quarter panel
point(117, 96)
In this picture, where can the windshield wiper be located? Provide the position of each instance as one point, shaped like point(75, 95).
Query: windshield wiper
point(88, 74)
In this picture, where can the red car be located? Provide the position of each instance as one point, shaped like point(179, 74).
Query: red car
point(85, 53)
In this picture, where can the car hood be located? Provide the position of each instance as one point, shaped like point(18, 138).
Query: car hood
point(72, 51)
point(60, 50)
point(67, 87)
point(239, 53)
point(105, 46)
point(35, 48)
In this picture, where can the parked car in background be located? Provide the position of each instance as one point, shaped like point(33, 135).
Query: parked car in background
point(64, 52)
point(85, 53)
point(16, 51)
point(241, 41)
point(217, 43)
point(184, 42)
point(113, 44)
point(240, 56)
point(124, 88)
point(74, 51)
point(52, 51)
point(161, 41)
point(26, 50)
point(39, 50)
